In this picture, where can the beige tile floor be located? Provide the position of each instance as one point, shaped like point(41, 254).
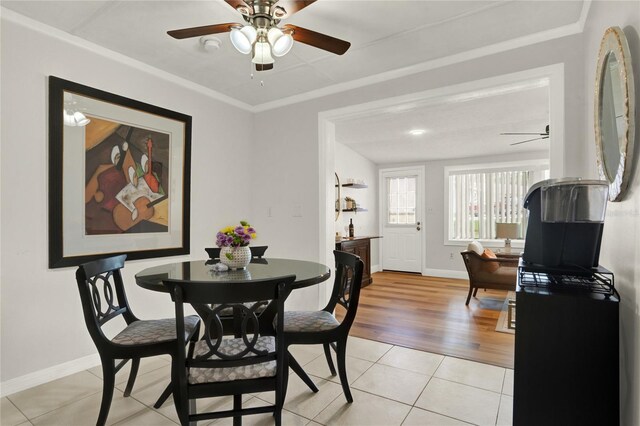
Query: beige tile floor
point(391, 385)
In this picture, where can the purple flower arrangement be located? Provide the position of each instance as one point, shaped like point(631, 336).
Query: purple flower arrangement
point(237, 236)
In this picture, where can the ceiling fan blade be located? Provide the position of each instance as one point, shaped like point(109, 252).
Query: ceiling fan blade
point(525, 133)
point(202, 31)
point(264, 67)
point(291, 6)
point(235, 3)
point(529, 140)
point(319, 40)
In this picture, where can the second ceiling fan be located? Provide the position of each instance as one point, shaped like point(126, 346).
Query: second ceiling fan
point(261, 36)
point(540, 136)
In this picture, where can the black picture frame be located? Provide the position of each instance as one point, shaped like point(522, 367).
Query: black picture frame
point(132, 202)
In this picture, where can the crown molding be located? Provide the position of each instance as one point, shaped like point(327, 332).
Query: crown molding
point(50, 31)
point(539, 37)
point(543, 36)
point(584, 13)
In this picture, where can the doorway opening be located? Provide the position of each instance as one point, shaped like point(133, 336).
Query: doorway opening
point(469, 113)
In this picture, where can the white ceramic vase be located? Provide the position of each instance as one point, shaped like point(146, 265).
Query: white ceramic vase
point(235, 257)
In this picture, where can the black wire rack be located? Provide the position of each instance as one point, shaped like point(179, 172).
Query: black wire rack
point(597, 280)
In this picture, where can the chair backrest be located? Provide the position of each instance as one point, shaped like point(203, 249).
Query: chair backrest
point(102, 294)
point(476, 263)
point(256, 251)
point(213, 252)
point(272, 292)
point(472, 262)
point(346, 286)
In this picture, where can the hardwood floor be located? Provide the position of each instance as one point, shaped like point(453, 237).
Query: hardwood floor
point(429, 314)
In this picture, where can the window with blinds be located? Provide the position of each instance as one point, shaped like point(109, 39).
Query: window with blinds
point(479, 199)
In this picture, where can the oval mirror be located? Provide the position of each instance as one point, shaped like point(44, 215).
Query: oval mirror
point(614, 112)
point(337, 202)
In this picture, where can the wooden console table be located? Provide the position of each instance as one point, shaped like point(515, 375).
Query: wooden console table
point(360, 246)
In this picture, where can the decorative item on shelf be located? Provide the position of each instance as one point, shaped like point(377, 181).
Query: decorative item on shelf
point(338, 237)
point(234, 245)
point(350, 203)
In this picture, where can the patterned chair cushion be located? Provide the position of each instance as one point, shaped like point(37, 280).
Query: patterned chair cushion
point(227, 374)
point(305, 321)
point(154, 331)
point(227, 312)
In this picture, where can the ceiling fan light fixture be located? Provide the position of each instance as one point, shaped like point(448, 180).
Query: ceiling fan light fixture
point(262, 53)
point(243, 38)
point(280, 41)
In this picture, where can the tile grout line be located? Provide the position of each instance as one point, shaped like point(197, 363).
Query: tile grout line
point(19, 410)
point(58, 407)
point(377, 362)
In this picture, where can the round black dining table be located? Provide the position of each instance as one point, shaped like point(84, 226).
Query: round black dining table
point(307, 273)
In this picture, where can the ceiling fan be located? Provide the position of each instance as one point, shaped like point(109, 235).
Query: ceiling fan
point(541, 136)
point(261, 37)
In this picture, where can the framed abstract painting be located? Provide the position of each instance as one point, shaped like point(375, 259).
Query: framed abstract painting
point(119, 176)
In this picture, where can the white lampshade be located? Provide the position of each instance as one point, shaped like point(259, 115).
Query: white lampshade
point(242, 39)
point(506, 230)
point(281, 43)
point(262, 53)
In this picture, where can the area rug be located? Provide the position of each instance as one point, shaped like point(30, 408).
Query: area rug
point(503, 320)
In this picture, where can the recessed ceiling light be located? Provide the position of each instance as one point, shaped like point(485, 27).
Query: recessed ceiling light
point(417, 132)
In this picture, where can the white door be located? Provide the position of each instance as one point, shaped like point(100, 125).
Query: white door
point(401, 195)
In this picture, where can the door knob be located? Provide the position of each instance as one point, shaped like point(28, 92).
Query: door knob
point(418, 228)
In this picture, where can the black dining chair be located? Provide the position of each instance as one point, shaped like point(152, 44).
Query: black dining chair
point(103, 298)
point(256, 251)
point(218, 365)
point(322, 327)
point(214, 253)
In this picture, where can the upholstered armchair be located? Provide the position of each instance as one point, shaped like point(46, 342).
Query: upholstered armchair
point(486, 271)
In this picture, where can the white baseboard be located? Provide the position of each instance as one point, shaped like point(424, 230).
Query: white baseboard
point(39, 377)
point(375, 268)
point(445, 273)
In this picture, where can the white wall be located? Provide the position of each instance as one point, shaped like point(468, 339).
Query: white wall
point(42, 322)
point(620, 250)
point(286, 155)
point(350, 164)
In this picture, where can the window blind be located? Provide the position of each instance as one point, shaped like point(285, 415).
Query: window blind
point(477, 200)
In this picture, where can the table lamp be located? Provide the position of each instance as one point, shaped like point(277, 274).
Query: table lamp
point(507, 231)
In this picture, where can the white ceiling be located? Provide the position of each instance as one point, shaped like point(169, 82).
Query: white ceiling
point(467, 125)
point(385, 36)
